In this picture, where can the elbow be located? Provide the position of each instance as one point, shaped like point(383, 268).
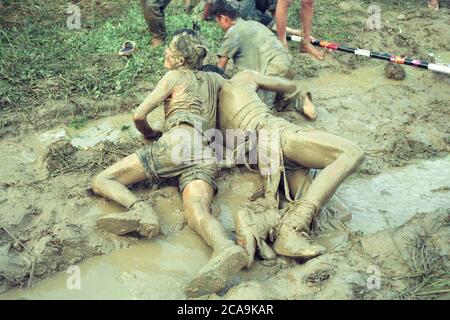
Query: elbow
point(357, 156)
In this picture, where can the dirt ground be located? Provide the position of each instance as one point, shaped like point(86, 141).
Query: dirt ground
point(395, 246)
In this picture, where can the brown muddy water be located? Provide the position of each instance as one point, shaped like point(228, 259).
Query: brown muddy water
point(159, 268)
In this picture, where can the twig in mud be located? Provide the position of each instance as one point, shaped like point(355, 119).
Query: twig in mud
point(33, 261)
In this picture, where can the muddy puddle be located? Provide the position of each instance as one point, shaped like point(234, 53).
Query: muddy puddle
point(159, 268)
point(393, 197)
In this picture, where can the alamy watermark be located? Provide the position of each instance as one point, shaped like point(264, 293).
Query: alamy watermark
point(74, 18)
point(374, 20)
point(374, 279)
point(73, 281)
point(235, 147)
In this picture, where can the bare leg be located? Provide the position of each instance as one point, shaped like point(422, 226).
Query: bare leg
point(111, 183)
point(289, 88)
point(337, 157)
point(281, 15)
point(306, 16)
point(291, 31)
point(197, 198)
point(228, 257)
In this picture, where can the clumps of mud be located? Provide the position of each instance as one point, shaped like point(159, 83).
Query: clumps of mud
point(408, 262)
point(62, 157)
point(394, 71)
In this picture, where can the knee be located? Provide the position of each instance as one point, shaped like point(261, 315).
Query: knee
point(97, 182)
point(355, 155)
point(308, 3)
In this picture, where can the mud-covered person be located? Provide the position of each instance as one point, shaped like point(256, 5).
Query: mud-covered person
point(241, 108)
point(251, 46)
point(182, 152)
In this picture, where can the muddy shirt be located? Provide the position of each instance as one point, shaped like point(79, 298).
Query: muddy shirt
point(195, 101)
point(251, 46)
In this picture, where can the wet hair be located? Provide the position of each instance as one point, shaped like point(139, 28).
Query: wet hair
point(229, 8)
point(215, 69)
point(187, 45)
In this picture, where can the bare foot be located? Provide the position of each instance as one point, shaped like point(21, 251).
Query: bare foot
point(285, 43)
point(308, 108)
point(156, 42)
point(309, 48)
point(433, 4)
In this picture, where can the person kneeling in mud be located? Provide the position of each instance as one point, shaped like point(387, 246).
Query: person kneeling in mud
point(241, 108)
point(190, 105)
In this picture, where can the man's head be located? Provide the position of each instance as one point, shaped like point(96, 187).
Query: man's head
point(214, 68)
point(185, 49)
point(225, 12)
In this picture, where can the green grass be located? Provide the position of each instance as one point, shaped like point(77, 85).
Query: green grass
point(42, 59)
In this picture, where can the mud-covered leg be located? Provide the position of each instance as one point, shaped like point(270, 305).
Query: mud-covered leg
point(228, 257)
point(112, 184)
point(338, 158)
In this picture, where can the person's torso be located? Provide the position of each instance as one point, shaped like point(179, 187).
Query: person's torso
point(240, 108)
point(257, 46)
point(194, 101)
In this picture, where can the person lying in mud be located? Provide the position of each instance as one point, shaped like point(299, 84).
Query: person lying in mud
point(251, 46)
point(190, 105)
point(241, 108)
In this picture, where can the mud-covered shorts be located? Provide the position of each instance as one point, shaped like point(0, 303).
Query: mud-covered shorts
point(181, 153)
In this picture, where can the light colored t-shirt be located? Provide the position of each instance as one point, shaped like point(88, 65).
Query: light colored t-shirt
point(251, 45)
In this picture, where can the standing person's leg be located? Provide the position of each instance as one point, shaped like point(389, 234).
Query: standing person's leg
point(155, 18)
point(227, 259)
point(306, 16)
point(281, 15)
point(112, 184)
point(338, 158)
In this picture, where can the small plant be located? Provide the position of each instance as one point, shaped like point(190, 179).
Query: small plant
point(78, 122)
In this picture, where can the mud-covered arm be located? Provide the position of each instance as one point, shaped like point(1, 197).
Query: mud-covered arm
point(162, 91)
point(259, 81)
